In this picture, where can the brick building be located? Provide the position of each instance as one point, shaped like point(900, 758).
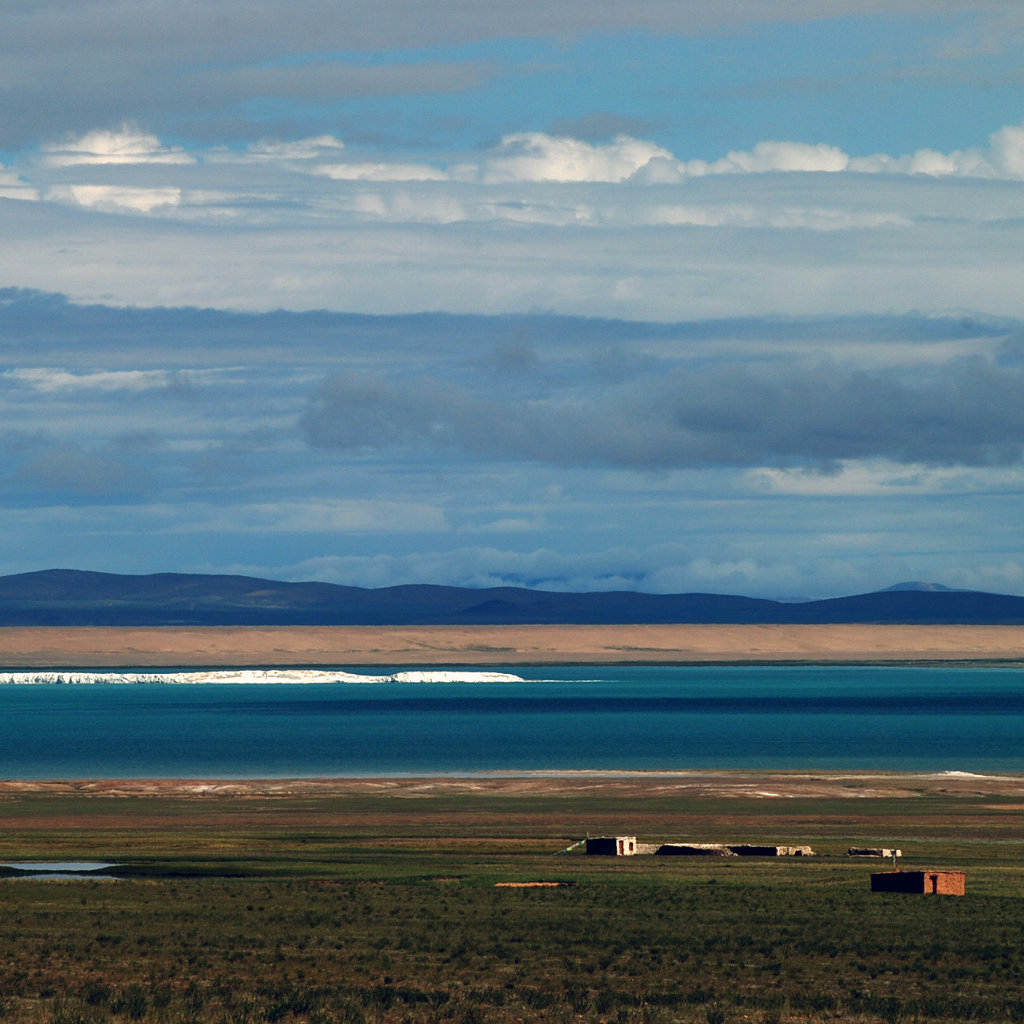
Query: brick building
point(612, 846)
point(941, 883)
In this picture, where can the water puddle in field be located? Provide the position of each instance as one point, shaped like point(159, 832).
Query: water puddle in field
point(61, 870)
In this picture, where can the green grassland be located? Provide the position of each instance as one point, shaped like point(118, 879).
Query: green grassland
point(382, 909)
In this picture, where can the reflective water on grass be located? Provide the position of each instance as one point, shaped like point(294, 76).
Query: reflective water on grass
point(60, 869)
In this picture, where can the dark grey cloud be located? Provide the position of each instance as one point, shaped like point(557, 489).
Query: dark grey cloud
point(322, 79)
point(490, 449)
point(555, 390)
point(967, 412)
point(80, 474)
point(209, 30)
point(179, 95)
point(71, 65)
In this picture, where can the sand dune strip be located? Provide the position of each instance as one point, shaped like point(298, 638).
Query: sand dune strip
point(140, 647)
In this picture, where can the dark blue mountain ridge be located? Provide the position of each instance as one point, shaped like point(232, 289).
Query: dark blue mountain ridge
point(71, 597)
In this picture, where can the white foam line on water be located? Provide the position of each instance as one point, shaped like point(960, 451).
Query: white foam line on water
point(249, 677)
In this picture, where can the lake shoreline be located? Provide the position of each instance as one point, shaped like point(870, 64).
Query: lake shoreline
point(738, 784)
point(54, 647)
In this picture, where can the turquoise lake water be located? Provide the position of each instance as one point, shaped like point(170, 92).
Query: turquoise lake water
point(618, 718)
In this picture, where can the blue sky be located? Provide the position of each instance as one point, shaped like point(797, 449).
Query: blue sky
point(667, 296)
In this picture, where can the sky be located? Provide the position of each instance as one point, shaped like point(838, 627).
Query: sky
point(667, 295)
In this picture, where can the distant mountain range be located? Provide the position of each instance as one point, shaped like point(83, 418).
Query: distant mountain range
point(67, 597)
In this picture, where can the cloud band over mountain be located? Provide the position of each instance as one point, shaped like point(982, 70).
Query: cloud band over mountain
point(649, 296)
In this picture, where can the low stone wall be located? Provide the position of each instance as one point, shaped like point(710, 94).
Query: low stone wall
point(747, 850)
point(628, 846)
point(694, 850)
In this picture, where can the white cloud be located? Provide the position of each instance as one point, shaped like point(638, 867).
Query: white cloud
point(381, 171)
point(772, 156)
point(408, 207)
point(1002, 578)
point(51, 379)
point(13, 186)
point(641, 233)
point(127, 146)
point(1006, 150)
point(663, 568)
point(928, 162)
point(534, 156)
point(814, 218)
point(625, 182)
point(1004, 159)
point(724, 576)
point(117, 198)
point(615, 569)
point(313, 148)
point(880, 478)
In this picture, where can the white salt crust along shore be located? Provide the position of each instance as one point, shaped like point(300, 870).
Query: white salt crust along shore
point(248, 677)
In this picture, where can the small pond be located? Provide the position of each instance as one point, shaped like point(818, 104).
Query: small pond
point(57, 869)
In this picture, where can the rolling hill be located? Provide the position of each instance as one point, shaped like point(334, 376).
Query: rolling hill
point(68, 597)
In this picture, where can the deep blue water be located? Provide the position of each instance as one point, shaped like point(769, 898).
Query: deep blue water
point(618, 718)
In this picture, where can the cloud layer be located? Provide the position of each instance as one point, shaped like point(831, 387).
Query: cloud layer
point(967, 412)
point(195, 34)
point(621, 228)
point(482, 450)
point(695, 296)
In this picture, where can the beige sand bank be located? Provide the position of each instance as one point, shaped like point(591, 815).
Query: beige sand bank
point(46, 647)
point(628, 786)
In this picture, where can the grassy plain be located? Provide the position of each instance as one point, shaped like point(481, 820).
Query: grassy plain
point(379, 901)
point(382, 901)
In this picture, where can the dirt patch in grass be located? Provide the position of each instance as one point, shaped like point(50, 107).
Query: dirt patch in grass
point(530, 885)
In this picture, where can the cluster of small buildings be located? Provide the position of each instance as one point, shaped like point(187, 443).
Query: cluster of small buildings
point(627, 846)
point(946, 883)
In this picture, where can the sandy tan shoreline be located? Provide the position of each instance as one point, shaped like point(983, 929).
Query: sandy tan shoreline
point(757, 785)
point(57, 647)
